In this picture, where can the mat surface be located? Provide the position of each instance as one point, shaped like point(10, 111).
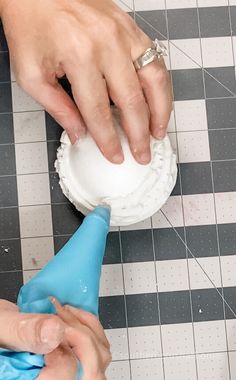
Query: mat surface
point(164, 318)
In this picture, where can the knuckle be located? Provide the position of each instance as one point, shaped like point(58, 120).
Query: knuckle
point(107, 358)
point(107, 343)
point(128, 22)
point(26, 78)
point(111, 25)
point(66, 307)
point(105, 361)
point(62, 115)
point(58, 115)
point(135, 30)
point(88, 339)
point(101, 111)
point(85, 49)
point(135, 100)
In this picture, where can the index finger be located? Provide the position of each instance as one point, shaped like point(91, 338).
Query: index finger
point(74, 316)
point(90, 321)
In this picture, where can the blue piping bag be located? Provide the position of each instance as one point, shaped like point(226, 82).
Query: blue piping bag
point(72, 276)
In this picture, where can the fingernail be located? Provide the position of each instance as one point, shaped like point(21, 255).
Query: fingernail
point(76, 138)
point(160, 133)
point(55, 303)
point(160, 136)
point(52, 333)
point(73, 139)
point(144, 158)
point(118, 158)
point(76, 135)
point(52, 299)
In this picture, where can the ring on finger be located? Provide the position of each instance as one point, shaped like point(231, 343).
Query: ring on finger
point(156, 52)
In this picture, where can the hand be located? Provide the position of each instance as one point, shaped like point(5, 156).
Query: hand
point(85, 336)
point(72, 334)
point(41, 334)
point(94, 43)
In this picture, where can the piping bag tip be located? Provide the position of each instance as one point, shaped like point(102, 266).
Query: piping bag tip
point(103, 211)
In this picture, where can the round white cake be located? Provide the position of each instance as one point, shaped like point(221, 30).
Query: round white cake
point(133, 191)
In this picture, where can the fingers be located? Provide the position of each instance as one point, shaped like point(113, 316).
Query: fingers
point(155, 81)
point(62, 311)
point(74, 316)
point(59, 105)
point(156, 85)
point(126, 92)
point(60, 364)
point(29, 332)
point(90, 321)
point(92, 99)
point(91, 334)
point(85, 348)
point(89, 344)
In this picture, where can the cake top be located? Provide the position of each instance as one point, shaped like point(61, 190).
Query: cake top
point(133, 191)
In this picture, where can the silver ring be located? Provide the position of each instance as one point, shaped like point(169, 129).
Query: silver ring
point(156, 52)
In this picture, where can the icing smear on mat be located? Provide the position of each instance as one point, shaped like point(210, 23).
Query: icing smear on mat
point(133, 191)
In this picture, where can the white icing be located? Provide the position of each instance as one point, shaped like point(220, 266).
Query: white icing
point(133, 191)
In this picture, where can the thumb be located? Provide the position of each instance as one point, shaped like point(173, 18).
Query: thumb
point(38, 333)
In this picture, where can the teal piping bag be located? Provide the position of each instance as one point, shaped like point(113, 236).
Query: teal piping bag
point(72, 276)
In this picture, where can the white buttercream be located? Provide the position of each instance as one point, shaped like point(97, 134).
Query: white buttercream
point(133, 191)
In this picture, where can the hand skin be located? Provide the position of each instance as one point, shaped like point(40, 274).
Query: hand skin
point(72, 334)
point(94, 43)
point(87, 339)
